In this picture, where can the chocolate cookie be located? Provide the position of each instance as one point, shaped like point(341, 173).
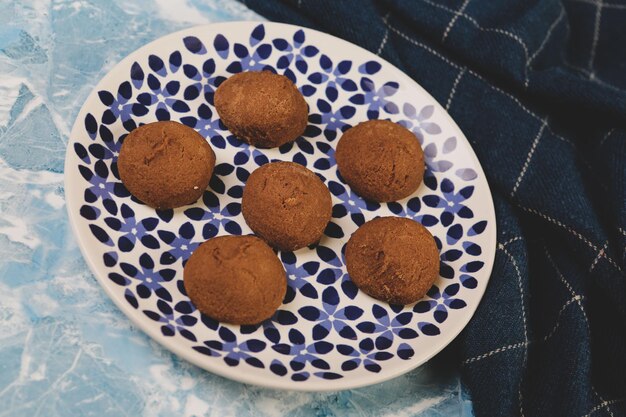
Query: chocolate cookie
point(235, 279)
point(380, 160)
point(393, 259)
point(262, 108)
point(166, 164)
point(287, 205)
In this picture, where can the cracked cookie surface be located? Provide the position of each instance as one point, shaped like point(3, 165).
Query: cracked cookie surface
point(380, 160)
point(166, 164)
point(262, 108)
point(287, 205)
point(393, 259)
point(235, 279)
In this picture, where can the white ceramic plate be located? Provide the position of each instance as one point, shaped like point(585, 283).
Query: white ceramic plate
point(327, 335)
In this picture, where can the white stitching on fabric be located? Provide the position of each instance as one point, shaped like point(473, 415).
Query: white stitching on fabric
point(600, 253)
point(385, 37)
point(591, 76)
point(531, 152)
point(454, 85)
point(480, 77)
point(519, 284)
point(581, 69)
point(558, 223)
point(454, 65)
point(614, 6)
point(493, 352)
point(515, 99)
point(496, 30)
point(453, 20)
point(521, 290)
point(574, 299)
point(596, 35)
point(383, 42)
point(526, 81)
point(475, 23)
point(602, 405)
point(514, 239)
point(572, 231)
point(516, 345)
point(567, 285)
point(608, 134)
point(545, 40)
point(424, 46)
point(519, 103)
point(602, 400)
point(605, 5)
point(558, 272)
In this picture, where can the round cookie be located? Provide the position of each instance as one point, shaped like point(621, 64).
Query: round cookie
point(235, 279)
point(393, 259)
point(287, 205)
point(166, 164)
point(380, 160)
point(262, 108)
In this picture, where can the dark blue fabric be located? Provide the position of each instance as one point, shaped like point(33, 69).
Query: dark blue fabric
point(539, 88)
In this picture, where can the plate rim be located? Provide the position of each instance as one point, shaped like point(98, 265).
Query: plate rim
point(183, 352)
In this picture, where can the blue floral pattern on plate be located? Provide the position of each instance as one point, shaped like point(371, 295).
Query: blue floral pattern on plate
point(327, 334)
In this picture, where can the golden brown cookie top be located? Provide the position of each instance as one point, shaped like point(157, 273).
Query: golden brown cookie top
point(393, 259)
point(262, 108)
point(287, 205)
point(380, 160)
point(165, 164)
point(235, 279)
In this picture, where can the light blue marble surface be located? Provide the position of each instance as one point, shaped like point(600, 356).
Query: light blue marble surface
point(65, 349)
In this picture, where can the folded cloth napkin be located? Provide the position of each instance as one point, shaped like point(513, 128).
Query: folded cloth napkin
point(539, 88)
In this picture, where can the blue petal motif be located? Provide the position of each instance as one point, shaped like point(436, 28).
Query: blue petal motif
point(137, 75)
point(473, 266)
point(370, 67)
point(258, 34)
point(156, 64)
point(194, 45)
point(405, 351)
point(327, 255)
point(428, 329)
point(472, 248)
point(466, 174)
point(309, 313)
point(221, 46)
